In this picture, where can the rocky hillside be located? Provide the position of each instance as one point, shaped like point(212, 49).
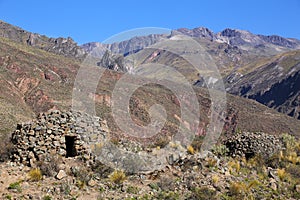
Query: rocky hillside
point(62, 46)
point(35, 81)
point(243, 166)
point(274, 82)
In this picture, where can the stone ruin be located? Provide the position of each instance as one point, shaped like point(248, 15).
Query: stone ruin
point(249, 144)
point(57, 133)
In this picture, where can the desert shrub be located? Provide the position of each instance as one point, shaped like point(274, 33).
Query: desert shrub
point(294, 171)
point(215, 179)
point(289, 141)
point(117, 176)
point(237, 189)
point(47, 197)
point(132, 190)
point(203, 193)
point(35, 174)
point(190, 149)
point(234, 166)
point(7, 148)
point(65, 188)
point(211, 162)
point(282, 174)
point(101, 169)
point(220, 150)
point(15, 186)
point(167, 195)
point(275, 161)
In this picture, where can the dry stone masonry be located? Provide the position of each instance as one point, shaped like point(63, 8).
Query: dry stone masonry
point(68, 134)
point(251, 144)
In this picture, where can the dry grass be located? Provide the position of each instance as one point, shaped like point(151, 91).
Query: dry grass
point(117, 176)
point(35, 174)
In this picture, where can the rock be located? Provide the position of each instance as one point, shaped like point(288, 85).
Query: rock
point(92, 183)
point(273, 184)
point(297, 188)
point(61, 174)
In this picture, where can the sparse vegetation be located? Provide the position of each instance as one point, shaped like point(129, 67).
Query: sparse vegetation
point(35, 174)
point(47, 197)
point(117, 176)
point(15, 186)
point(190, 149)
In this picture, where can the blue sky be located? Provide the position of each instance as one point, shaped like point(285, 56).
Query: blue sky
point(87, 21)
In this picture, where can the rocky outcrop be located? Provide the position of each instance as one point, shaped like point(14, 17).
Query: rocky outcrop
point(113, 62)
point(200, 32)
point(62, 46)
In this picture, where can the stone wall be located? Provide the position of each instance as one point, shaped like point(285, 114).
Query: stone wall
point(68, 134)
point(253, 144)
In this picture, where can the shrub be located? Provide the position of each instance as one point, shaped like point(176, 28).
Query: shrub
point(234, 165)
point(35, 174)
point(293, 157)
point(132, 190)
point(170, 195)
point(47, 197)
point(289, 141)
point(190, 149)
point(294, 171)
point(238, 189)
point(101, 169)
point(282, 174)
point(15, 186)
point(203, 193)
point(215, 179)
point(117, 176)
point(220, 150)
point(65, 188)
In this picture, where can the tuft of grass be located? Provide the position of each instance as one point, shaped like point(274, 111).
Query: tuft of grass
point(203, 193)
point(35, 174)
point(282, 174)
point(293, 157)
point(190, 149)
point(15, 186)
point(234, 166)
point(215, 179)
point(117, 176)
point(47, 197)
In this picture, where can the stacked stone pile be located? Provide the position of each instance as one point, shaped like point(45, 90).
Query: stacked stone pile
point(68, 134)
point(252, 144)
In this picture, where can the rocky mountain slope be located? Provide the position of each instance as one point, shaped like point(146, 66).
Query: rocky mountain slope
point(33, 81)
point(274, 82)
point(62, 46)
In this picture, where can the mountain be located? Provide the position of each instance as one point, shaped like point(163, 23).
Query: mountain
point(236, 53)
point(34, 81)
point(62, 46)
point(274, 82)
point(244, 40)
